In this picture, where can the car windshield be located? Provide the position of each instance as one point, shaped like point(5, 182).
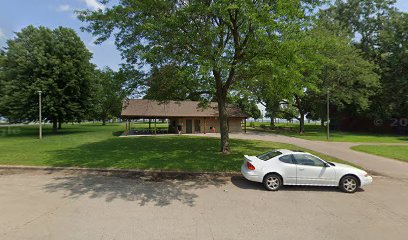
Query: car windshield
point(269, 155)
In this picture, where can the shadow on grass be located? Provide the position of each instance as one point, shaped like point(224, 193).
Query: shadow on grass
point(117, 133)
point(161, 193)
point(242, 183)
point(31, 131)
point(167, 153)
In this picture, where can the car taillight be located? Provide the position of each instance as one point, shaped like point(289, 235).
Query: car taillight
point(250, 166)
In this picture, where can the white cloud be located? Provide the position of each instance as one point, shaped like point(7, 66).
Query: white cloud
point(64, 8)
point(94, 4)
point(2, 34)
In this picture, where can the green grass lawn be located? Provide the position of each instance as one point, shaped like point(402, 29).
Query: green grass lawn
point(318, 133)
point(396, 152)
point(93, 145)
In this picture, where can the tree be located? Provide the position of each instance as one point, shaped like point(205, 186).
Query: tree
point(2, 79)
point(53, 61)
point(379, 31)
point(392, 99)
point(219, 39)
point(350, 79)
point(288, 111)
point(272, 109)
point(110, 93)
point(248, 106)
point(332, 64)
point(171, 82)
point(364, 19)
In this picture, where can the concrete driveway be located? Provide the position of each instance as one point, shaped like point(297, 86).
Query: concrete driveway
point(66, 205)
point(375, 164)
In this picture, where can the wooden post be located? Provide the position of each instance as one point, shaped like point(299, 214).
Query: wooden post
point(126, 127)
point(245, 125)
point(205, 127)
point(155, 128)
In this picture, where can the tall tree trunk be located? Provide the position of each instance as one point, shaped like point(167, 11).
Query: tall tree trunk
point(302, 123)
point(59, 123)
point(222, 108)
point(103, 121)
point(299, 106)
point(321, 122)
point(223, 116)
point(225, 148)
point(54, 125)
point(272, 123)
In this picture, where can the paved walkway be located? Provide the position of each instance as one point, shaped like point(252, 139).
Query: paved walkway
point(374, 164)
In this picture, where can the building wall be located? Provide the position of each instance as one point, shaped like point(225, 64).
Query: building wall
point(235, 125)
point(207, 123)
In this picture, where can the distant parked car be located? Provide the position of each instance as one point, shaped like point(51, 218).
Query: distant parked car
point(286, 167)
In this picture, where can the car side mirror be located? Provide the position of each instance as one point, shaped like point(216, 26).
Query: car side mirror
point(326, 165)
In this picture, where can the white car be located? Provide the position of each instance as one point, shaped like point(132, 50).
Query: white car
point(286, 167)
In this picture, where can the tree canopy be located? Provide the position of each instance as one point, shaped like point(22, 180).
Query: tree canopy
point(55, 62)
point(108, 95)
point(326, 60)
point(380, 32)
point(221, 41)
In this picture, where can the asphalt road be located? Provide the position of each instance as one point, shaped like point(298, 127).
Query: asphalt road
point(66, 205)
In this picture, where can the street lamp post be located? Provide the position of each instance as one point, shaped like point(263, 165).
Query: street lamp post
point(328, 115)
point(39, 114)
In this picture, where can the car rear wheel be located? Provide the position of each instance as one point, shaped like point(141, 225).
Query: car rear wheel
point(349, 184)
point(272, 182)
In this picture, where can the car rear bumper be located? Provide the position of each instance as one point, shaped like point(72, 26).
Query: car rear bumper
point(251, 175)
point(366, 180)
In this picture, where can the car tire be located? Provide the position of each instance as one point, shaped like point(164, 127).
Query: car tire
point(349, 184)
point(272, 182)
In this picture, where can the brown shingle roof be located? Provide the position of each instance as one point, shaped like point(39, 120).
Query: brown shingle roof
point(143, 108)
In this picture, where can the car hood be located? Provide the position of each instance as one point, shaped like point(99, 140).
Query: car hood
point(348, 167)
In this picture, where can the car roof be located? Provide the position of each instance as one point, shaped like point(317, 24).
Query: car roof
point(288, 151)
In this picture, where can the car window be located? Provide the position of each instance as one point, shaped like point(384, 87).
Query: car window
point(286, 159)
point(269, 155)
point(309, 160)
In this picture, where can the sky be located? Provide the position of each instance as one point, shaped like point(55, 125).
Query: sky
point(17, 14)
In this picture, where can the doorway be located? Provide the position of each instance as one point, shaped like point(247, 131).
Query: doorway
point(189, 126)
point(197, 126)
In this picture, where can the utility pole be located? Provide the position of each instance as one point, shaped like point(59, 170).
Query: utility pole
point(39, 114)
point(328, 115)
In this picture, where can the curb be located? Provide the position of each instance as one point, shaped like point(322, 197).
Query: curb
point(131, 173)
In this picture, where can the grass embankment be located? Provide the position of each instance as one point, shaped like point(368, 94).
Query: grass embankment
point(93, 145)
point(395, 152)
point(318, 133)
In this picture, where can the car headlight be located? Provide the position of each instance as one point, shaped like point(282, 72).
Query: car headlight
point(366, 175)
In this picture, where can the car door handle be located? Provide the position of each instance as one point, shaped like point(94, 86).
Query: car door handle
point(301, 169)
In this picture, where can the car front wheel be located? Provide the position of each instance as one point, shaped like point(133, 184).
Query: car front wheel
point(272, 182)
point(349, 184)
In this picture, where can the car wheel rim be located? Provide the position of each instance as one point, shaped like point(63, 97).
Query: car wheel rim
point(273, 182)
point(350, 184)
